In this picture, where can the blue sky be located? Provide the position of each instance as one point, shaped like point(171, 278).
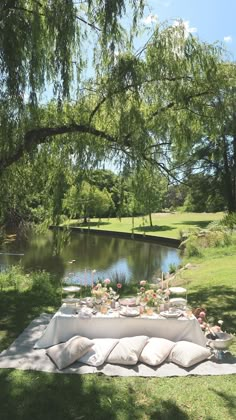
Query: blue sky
point(210, 20)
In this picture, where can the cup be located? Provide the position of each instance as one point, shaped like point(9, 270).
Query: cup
point(103, 309)
point(149, 310)
point(188, 312)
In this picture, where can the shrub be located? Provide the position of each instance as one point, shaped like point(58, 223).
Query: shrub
point(229, 220)
point(215, 235)
point(14, 277)
point(42, 287)
point(172, 268)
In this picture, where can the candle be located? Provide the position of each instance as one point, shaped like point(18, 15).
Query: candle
point(93, 271)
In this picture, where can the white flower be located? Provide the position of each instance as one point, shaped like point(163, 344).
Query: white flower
point(220, 322)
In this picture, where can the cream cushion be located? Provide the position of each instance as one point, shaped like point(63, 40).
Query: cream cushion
point(187, 354)
point(65, 354)
point(156, 351)
point(99, 352)
point(128, 350)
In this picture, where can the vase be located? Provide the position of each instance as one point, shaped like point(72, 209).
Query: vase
point(149, 310)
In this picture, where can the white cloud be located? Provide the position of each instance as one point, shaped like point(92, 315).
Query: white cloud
point(187, 28)
point(228, 38)
point(150, 19)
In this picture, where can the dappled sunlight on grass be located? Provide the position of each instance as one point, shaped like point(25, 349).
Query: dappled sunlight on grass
point(28, 395)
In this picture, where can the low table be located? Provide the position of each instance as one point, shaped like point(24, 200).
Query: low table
point(65, 324)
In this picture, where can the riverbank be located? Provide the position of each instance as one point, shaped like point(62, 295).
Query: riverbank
point(165, 225)
point(171, 242)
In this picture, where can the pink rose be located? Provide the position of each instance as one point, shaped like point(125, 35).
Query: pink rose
point(107, 281)
point(202, 314)
point(142, 282)
point(142, 289)
point(200, 320)
point(119, 285)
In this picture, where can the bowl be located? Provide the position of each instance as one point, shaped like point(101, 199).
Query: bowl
point(222, 342)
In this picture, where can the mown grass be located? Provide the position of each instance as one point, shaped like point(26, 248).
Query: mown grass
point(44, 396)
point(164, 224)
point(26, 395)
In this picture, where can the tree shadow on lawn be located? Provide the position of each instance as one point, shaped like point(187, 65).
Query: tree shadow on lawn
point(39, 395)
point(18, 309)
point(155, 228)
point(200, 223)
point(88, 224)
point(228, 400)
point(219, 303)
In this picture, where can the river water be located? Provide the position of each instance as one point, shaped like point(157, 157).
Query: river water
point(86, 258)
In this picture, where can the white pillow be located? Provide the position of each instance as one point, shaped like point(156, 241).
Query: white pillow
point(156, 351)
point(98, 354)
point(65, 354)
point(128, 350)
point(187, 354)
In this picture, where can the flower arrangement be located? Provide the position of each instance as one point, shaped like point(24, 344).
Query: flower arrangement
point(99, 291)
point(201, 315)
point(104, 291)
point(152, 297)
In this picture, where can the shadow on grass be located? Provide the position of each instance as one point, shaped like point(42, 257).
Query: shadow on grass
point(155, 228)
point(88, 225)
point(219, 303)
point(200, 223)
point(227, 400)
point(18, 309)
point(37, 395)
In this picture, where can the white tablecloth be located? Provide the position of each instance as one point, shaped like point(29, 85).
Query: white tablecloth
point(65, 324)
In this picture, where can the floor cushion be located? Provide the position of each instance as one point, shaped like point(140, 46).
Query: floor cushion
point(186, 354)
point(156, 351)
point(64, 354)
point(128, 350)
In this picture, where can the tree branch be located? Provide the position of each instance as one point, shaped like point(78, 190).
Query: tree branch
point(42, 135)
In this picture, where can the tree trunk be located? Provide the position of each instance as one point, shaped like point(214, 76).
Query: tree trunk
point(150, 219)
point(234, 172)
point(228, 181)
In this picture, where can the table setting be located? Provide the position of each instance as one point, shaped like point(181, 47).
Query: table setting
point(99, 316)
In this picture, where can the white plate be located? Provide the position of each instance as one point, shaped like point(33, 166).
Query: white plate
point(70, 300)
point(130, 312)
point(177, 290)
point(128, 302)
point(168, 314)
point(71, 289)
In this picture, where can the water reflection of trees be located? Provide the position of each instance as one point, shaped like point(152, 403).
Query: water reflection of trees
point(102, 252)
point(90, 251)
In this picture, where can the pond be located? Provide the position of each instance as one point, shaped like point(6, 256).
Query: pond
point(82, 258)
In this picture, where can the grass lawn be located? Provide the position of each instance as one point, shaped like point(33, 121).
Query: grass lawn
point(164, 224)
point(211, 283)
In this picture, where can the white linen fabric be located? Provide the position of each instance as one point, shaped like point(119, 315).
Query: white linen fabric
point(63, 326)
point(156, 351)
point(188, 354)
point(99, 352)
point(127, 351)
point(21, 355)
point(65, 354)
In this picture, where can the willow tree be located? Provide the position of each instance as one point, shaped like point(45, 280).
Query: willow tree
point(43, 45)
point(140, 105)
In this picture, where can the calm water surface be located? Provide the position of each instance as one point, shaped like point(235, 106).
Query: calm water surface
point(74, 257)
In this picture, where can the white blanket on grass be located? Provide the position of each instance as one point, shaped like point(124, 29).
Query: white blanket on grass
point(22, 355)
